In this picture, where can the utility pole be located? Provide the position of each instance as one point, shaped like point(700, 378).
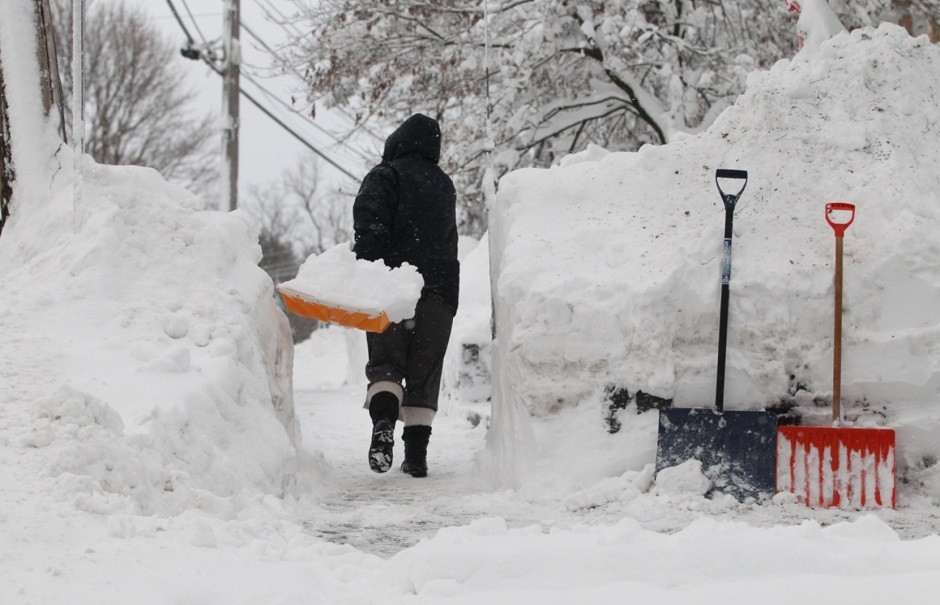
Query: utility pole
point(232, 57)
point(49, 66)
point(78, 110)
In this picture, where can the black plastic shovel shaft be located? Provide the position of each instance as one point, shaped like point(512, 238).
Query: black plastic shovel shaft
point(722, 348)
point(729, 199)
point(723, 312)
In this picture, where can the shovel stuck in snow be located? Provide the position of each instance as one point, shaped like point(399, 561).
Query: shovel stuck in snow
point(836, 466)
point(736, 448)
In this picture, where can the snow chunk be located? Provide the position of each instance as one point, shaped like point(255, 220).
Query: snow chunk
point(337, 278)
point(685, 478)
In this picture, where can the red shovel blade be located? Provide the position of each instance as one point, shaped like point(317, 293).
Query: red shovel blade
point(830, 467)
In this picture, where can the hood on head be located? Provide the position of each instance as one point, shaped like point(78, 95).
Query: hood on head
point(418, 136)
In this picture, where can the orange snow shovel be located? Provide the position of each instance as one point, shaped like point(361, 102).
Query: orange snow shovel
point(308, 306)
point(837, 466)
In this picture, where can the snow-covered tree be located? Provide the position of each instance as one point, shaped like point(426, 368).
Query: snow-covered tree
point(618, 73)
point(561, 73)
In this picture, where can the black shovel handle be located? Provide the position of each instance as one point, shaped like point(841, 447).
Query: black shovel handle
point(729, 199)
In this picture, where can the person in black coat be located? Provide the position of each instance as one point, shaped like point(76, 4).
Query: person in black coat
point(405, 212)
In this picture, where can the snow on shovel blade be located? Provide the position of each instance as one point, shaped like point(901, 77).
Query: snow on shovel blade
point(737, 449)
point(837, 466)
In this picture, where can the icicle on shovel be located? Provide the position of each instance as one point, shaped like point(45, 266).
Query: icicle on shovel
point(837, 466)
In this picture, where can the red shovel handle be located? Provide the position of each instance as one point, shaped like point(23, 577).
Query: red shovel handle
point(839, 227)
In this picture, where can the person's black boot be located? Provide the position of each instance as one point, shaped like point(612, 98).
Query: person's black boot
point(416, 450)
point(384, 412)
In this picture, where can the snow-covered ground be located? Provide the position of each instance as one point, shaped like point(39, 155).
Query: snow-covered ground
point(152, 449)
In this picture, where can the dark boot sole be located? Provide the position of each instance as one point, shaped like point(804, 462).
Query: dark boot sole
point(413, 470)
point(380, 450)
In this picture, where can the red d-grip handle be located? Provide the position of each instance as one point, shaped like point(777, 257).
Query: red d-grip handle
point(839, 228)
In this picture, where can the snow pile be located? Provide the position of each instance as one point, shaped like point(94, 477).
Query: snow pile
point(337, 278)
point(707, 562)
point(608, 270)
point(147, 366)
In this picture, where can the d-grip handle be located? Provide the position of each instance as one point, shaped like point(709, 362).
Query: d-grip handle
point(839, 227)
point(730, 199)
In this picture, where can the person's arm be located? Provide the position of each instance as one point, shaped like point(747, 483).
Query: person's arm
point(373, 211)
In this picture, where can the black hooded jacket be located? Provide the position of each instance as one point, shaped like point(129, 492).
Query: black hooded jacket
point(405, 211)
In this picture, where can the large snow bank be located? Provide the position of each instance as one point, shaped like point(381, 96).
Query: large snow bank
point(608, 270)
point(156, 364)
point(145, 363)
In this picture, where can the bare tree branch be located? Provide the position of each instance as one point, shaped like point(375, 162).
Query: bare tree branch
point(138, 110)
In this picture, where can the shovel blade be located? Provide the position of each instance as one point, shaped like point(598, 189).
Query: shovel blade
point(830, 467)
point(737, 449)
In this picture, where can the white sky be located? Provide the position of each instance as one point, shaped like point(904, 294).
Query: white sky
point(266, 149)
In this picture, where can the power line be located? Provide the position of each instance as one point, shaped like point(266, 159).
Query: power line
point(193, 19)
point(283, 23)
point(284, 20)
point(276, 55)
point(255, 102)
point(176, 15)
point(258, 38)
point(294, 133)
point(362, 154)
point(162, 17)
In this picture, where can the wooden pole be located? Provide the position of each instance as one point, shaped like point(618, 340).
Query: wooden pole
point(230, 95)
point(49, 66)
point(837, 339)
point(78, 109)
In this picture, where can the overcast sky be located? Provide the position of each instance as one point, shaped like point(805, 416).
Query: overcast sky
point(266, 149)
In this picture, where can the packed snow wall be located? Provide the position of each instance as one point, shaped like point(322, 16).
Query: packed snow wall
point(146, 367)
point(607, 266)
point(146, 346)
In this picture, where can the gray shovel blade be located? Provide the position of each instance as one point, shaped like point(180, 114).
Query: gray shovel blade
point(737, 449)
